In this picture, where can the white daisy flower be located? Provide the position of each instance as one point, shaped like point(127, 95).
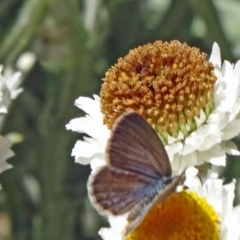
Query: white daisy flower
point(5, 153)
point(201, 212)
point(8, 90)
point(193, 104)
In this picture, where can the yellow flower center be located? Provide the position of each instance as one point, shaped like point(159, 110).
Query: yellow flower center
point(183, 216)
point(167, 83)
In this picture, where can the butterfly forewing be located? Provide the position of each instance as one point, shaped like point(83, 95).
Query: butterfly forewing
point(135, 146)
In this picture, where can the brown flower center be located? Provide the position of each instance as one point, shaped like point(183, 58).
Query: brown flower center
point(167, 83)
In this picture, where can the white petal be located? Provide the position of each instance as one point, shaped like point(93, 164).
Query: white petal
point(90, 126)
point(215, 57)
point(84, 151)
point(179, 163)
point(15, 93)
point(231, 130)
point(173, 149)
point(232, 86)
point(5, 96)
point(97, 162)
point(202, 138)
point(210, 141)
point(5, 153)
point(219, 160)
point(194, 183)
point(230, 148)
point(117, 226)
point(90, 106)
point(26, 61)
point(3, 110)
point(201, 119)
point(215, 154)
point(110, 234)
point(228, 198)
point(13, 83)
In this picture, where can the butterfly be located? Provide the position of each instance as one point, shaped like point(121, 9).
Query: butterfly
point(137, 174)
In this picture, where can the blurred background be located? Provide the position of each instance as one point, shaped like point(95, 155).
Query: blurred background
point(63, 49)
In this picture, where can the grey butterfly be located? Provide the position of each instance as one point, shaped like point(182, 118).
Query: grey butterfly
point(137, 175)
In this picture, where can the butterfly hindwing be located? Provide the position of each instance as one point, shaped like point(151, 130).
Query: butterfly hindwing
point(117, 191)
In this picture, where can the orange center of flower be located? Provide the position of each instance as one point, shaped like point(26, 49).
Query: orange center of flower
point(167, 83)
point(183, 216)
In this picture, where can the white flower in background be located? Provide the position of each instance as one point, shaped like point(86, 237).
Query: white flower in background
point(8, 90)
point(5, 153)
point(201, 212)
point(183, 96)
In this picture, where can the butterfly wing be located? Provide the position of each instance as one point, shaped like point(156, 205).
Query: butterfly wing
point(136, 163)
point(135, 146)
point(116, 191)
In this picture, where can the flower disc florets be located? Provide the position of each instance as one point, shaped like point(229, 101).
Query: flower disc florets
point(168, 83)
